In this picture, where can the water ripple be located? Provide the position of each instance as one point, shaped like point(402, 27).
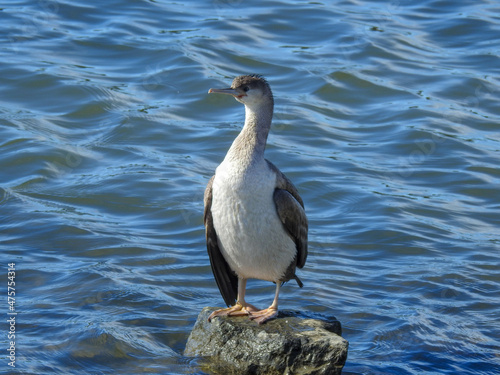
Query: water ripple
point(386, 120)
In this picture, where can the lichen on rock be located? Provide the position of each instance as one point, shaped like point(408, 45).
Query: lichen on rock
point(293, 343)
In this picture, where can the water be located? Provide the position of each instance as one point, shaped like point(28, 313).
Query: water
point(386, 120)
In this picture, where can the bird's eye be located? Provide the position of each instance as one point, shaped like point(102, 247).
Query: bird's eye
point(246, 88)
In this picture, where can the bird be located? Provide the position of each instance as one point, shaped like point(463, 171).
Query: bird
point(255, 222)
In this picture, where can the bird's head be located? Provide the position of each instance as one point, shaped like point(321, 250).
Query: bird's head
point(251, 90)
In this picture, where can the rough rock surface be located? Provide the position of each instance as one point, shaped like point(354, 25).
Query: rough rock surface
point(294, 343)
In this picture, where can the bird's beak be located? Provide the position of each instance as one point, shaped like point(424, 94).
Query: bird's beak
point(228, 91)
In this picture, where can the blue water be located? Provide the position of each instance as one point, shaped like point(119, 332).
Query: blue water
point(386, 120)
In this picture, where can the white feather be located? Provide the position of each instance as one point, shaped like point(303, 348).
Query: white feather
point(251, 236)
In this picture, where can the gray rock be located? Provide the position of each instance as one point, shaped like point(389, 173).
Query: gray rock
point(294, 343)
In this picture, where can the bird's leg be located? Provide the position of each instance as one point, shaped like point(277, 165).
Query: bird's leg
point(241, 308)
point(271, 312)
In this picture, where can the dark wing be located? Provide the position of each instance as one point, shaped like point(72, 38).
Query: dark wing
point(226, 279)
point(290, 208)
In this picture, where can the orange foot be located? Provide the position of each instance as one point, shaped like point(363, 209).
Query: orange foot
point(236, 310)
point(263, 316)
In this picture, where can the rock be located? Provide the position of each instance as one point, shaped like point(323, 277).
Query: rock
point(293, 343)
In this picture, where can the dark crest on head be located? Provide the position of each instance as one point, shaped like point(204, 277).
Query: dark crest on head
point(253, 80)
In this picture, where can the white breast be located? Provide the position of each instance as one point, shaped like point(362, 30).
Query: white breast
point(251, 236)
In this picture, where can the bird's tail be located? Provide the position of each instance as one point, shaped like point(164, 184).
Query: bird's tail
point(299, 283)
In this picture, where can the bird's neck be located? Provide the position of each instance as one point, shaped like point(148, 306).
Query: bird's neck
point(250, 144)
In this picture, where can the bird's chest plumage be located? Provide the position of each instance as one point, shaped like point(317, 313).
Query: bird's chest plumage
point(251, 236)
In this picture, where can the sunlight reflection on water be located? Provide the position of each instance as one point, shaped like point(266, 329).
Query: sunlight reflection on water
point(385, 119)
